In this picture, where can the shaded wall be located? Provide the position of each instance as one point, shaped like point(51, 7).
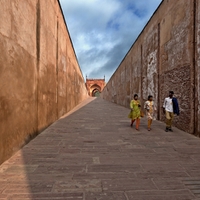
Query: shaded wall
point(164, 57)
point(40, 78)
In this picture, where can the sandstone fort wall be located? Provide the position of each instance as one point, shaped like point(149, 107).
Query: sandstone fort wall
point(40, 78)
point(165, 56)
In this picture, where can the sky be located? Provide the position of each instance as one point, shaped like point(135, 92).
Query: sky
point(103, 31)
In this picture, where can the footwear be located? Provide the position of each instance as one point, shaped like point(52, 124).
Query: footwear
point(149, 129)
point(167, 129)
point(132, 122)
point(170, 130)
point(136, 129)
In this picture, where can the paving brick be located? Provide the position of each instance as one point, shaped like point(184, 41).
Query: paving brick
point(128, 184)
point(190, 166)
point(106, 196)
point(162, 168)
point(92, 185)
point(21, 169)
point(195, 157)
point(168, 184)
point(161, 174)
point(161, 195)
point(93, 153)
point(81, 159)
point(59, 169)
point(103, 176)
point(46, 196)
point(23, 187)
point(114, 168)
point(193, 173)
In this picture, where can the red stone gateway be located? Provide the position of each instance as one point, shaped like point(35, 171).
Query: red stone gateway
point(95, 86)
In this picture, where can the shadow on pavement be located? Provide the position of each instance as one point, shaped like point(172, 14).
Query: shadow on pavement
point(93, 153)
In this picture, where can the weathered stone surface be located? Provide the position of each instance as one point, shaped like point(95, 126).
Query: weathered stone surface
point(103, 175)
point(168, 184)
point(197, 68)
point(161, 174)
point(165, 56)
point(128, 185)
point(51, 196)
point(39, 73)
point(114, 168)
point(106, 195)
point(161, 195)
point(92, 185)
point(22, 187)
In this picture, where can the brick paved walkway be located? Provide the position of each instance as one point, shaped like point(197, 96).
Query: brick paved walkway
point(93, 154)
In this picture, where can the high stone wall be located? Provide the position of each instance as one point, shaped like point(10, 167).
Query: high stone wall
point(197, 68)
point(164, 57)
point(40, 78)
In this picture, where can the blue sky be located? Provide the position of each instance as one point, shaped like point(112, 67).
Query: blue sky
point(102, 31)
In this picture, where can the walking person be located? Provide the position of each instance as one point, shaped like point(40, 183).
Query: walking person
point(170, 107)
point(150, 109)
point(135, 113)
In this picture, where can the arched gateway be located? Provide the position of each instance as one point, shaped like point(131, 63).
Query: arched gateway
point(95, 86)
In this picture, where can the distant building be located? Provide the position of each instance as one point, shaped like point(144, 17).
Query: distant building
point(95, 86)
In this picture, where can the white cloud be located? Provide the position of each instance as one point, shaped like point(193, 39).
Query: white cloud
point(102, 31)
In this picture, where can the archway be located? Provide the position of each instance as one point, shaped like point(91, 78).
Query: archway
point(95, 90)
point(96, 93)
point(95, 86)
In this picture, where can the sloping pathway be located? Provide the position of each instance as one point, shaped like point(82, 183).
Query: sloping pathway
point(94, 154)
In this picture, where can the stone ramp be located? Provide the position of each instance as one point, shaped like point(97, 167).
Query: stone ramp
point(92, 153)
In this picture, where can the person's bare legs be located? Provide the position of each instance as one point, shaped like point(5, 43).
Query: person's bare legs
point(149, 124)
point(132, 121)
point(137, 123)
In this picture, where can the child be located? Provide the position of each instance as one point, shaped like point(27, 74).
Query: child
point(150, 108)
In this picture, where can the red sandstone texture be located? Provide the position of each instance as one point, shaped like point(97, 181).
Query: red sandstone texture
point(95, 86)
point(166, 56)
point(40, 79)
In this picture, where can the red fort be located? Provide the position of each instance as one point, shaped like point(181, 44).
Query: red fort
point(95, 86)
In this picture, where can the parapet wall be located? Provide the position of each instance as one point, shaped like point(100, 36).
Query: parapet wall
point(165, 56)
point(40, 78)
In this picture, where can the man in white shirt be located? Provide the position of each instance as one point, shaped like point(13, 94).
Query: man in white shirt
point(168, 111)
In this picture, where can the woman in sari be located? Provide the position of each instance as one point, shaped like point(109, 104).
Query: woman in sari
point(150, 108)
point(135, 113)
